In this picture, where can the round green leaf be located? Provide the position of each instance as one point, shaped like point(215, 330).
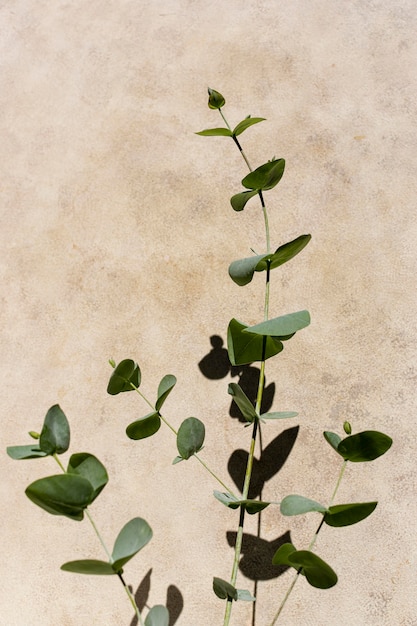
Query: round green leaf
point(144, 427)
point(266, 176)
point(19, 453)
point(246, 347)
point(132, 538)
point(190, 437)
point(224, 590)
point(333, 439)
point(125, 377)
point(347, 514)
point(55, 434)
point(317, 572)
point(365, 446)
point(157, 616)
point(64, 494)
point(90, 567)
point(298, 505)
point(89, 467)
point(281, 556)
point(239, 200)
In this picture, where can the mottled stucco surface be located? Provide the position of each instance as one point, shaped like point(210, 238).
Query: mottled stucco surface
point(115, 241)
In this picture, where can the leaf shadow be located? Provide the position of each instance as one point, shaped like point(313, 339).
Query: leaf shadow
point(256, 562)
point(174, 602)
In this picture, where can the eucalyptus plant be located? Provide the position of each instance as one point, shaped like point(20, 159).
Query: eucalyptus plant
point(71, 492)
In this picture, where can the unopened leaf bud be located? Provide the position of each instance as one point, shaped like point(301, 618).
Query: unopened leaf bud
point(347, 428)
point(34, 435)
point(112, 363)
point(216, 100)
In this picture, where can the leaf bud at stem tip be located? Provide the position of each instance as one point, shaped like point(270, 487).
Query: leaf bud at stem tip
point(347, 428)
point(112, 362)
point(34, 435)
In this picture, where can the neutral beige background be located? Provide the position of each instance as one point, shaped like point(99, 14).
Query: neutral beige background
point(116, 237)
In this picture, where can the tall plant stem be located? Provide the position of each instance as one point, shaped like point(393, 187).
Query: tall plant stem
point(261, 386)
point(310, 546)
point(106, 550)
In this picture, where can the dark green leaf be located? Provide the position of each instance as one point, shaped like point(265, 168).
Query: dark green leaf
point(266, 176)
point(317, 572)
point(254, 506)
point(125, 377)
point(244, 347)
point(224, 590)
point(243, 402)
point(347, 514)
point(281, 556)
point(365, 446)
point(215, 132)
point(244, 124)
point(251, 506)
point(298, 505)
point(132, 538)
point(286, 252)
point(216, 100)
point(89, 566)
point(239, 200)
point(190, 437)
point(64, 494)
point(281, 415)
point(89, 467)
point(19, 453)
point(332, 438)
point(281, 326)
point(144, 427)
point(166, 385)
point(55, 434)
point(157, 616)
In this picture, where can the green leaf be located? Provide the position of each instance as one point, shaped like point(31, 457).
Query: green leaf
point(124, 375)
point(132, 538)
point(243, 402)
point(244, 124)
point(55, 434)
point(19, 453)
point(365, 446)
point(177, 459)
point(239, 200)
point(166, 385)
point(227, 499)
point(251, 506)
point(157, 616)
point(90, 567)
point(333, 439)
point(266, 176)
point(224, 590)
point(254, 506)
point(282, 326)
point(317, 572)
point(281, 556)
point(215, 132)
point(190, 437)
point(89, 467)
point(347, 514)
point(216, 100)
point(245, 595)
point(64, 494)
point(286, 252)
point(246, 347)
point(242, 271)
point(298, 505)
point(281, 415)
point(144, 427)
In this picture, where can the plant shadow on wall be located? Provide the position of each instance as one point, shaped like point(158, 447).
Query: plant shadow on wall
point(82, 478)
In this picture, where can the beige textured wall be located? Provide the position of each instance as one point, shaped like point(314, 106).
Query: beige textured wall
point(116, 237)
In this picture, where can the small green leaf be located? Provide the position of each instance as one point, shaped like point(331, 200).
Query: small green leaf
point(281, 415)
point(239, 200)
point(282, 326)
point(266, 176)
point(166, 385)
point(216, 100)
point(244, 124)
point(332, 438)
point(64, 494)
point(144, 427)
point(157, 616)
point(365, 446)
point(317, 572)
point(298, 505)
point(251, 506)
point(132, 538)
point(90, 567)
point(224, 590)
point(190, 437)
point(244, 347)
point(281, 556)
point(286, 252)
point(243, 402)
point(55, 433)
point(19, 453)
point(89, 467)
point(177, 459)
point(245, 595)
point(347, 428)
point(125, 377)
point(347, 514)
point(227, 499)
point(254, 506)
point(215, 132)
point(242, 271)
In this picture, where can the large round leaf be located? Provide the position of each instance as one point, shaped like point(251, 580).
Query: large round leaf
point(317, 572)
point(244, 348)
point(144, 427)
point(125, 377)
point(365, 446)
point(64, 494)
point(157, 616)
point(190, 437)
point(132, 538)
point(266, 176)
point(55, 434)
point(89, 467)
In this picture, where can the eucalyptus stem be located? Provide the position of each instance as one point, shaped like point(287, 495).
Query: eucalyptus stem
point(310, 546)
point(132, 600)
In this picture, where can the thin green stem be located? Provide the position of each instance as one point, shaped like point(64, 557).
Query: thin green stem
point(132, 600)
point(310, 547)
point(210, 471)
